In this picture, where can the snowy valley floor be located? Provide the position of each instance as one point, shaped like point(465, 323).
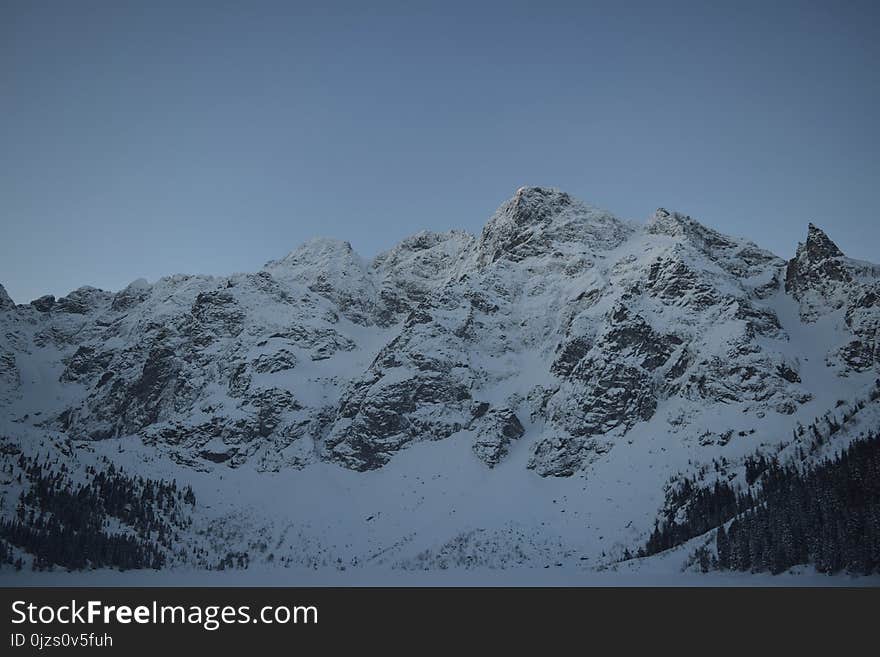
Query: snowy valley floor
point(432, 517)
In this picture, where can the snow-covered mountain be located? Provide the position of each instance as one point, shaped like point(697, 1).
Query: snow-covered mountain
point(518, 397)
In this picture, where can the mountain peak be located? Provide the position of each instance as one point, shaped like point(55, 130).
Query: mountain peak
point(536, 204)
point(818, 274)
point(535, 219)
point(819, 246)
point(5, 301)
point(316, 251)
point(668, 221)
point(676, 224)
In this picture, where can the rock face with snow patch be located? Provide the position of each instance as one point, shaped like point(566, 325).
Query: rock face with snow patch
point(495, 430)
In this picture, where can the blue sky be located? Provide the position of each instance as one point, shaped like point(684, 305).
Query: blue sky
point(146, 138)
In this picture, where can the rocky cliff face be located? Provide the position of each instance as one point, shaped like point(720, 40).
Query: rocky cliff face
point(558, 330)
point(824, 281)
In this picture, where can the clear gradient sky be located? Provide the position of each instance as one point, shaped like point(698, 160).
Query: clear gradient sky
point(139, 139)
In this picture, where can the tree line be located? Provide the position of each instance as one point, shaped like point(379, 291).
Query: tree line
point(110, 520)
point(826, 514)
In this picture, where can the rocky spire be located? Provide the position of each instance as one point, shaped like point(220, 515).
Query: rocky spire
point(816, 264)
point(819, 246)
point(5, 301)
